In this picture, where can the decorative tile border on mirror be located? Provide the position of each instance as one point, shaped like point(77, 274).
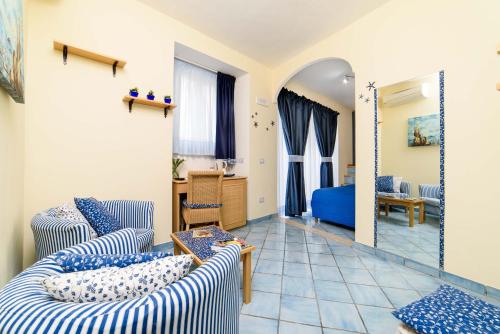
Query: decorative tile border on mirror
point(441, 180)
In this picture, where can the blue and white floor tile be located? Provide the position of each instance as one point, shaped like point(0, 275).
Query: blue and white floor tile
point(304, 283)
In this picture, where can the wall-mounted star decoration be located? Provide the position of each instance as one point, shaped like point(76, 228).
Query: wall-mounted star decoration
point(371, 85)
point(256, 113)
point(256, 124)
point(361, 96)
point(367, 100)
point(272, 123)
point(253, 116)
point(267, 129)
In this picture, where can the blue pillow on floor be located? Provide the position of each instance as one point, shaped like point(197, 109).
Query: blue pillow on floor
point(385, 184)
point(449, 310)
point(101, 220)
point(80, 262)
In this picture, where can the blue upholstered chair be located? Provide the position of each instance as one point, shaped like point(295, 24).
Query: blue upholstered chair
point(430, 194)
point(53, 234)
point(205, 301)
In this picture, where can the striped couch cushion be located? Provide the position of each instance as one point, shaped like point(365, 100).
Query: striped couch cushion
point(206, 301)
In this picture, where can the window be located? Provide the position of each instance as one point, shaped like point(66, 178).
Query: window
point(195, 93)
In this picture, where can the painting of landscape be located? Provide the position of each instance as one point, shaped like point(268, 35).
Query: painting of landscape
point(423, 130)
point(11, 48)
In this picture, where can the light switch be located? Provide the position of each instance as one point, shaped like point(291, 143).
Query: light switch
point(262, 161)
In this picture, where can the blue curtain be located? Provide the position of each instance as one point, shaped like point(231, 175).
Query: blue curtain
point(295, 114)
point(325, 127)
point(225, 147)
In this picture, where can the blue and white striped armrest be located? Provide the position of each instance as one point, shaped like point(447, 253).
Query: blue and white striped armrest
point(205, 301)
point(120, 242)
point(429, 190)
point(132, 214)
point(53, 234)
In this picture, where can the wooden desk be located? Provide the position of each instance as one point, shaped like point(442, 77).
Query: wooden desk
point(234, 202)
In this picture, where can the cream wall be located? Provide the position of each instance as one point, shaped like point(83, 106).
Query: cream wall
point(344, 123)
point(11, 186)
point(417, 165)
point(80, 138)
point(406, 39)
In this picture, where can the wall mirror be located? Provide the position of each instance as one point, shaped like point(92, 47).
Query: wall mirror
point(409, 153)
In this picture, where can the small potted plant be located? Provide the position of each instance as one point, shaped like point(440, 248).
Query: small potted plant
point(167, 98)
point(176, 163)
point(151, 95)
point(134, 92)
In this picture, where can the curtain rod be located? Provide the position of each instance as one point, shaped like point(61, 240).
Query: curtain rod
point(196, 64)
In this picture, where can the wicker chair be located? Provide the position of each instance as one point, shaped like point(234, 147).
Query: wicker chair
point(204, 198)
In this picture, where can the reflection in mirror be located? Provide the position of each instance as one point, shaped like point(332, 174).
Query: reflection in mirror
point(409, 169)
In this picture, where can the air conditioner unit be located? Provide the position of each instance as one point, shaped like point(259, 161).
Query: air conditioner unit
point(407, 95)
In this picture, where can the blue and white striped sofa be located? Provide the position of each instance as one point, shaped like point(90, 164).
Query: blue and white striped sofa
point(205, 301)
point(430, 194)
point(405, 191)
point(53, 234)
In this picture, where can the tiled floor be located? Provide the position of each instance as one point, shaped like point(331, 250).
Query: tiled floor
point(419, 243)
point(304, 283)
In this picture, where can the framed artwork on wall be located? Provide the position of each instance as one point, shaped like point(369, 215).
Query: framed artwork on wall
point(12, 48)
point(423, 130)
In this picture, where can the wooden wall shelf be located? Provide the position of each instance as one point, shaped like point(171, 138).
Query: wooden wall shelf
point(156, 104)
point(66, 49)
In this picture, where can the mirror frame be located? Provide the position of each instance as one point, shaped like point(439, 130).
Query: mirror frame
point(441, 168)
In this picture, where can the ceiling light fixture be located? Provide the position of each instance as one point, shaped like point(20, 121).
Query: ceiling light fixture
point(347, 78)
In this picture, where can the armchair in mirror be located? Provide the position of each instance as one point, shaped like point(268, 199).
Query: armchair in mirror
point(409, 197)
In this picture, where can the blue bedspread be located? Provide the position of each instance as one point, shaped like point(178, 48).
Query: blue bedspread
point(334, 205)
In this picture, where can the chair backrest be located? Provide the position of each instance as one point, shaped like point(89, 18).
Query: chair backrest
point(205, 187)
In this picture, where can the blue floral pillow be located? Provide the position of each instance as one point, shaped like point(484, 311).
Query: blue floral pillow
point(449, 310)
point(385, 184)
point(116, 284)
point(80, 262)
point(101, 220)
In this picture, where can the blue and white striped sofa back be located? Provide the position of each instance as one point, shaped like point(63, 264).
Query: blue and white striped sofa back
point(206, 301)
point(53, 234)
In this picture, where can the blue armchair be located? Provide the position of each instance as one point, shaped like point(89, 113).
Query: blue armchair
point(205, 301)
point(53, 234)
point(430, 194)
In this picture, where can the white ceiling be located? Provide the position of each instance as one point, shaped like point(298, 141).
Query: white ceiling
point(269, 31)
point(326, 78)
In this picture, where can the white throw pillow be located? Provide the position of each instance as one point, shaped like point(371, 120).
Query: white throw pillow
point(396, 182)
point(71, 212)
point(117, 284)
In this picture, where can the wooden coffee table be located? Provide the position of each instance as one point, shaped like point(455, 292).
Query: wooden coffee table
point(409, 204)
point(183, 241)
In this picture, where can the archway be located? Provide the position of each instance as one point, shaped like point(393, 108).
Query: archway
point(329, 82)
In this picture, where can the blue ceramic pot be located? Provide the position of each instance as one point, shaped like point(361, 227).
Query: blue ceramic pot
point(167, 100)
point(151, 97)
point(134, 94)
